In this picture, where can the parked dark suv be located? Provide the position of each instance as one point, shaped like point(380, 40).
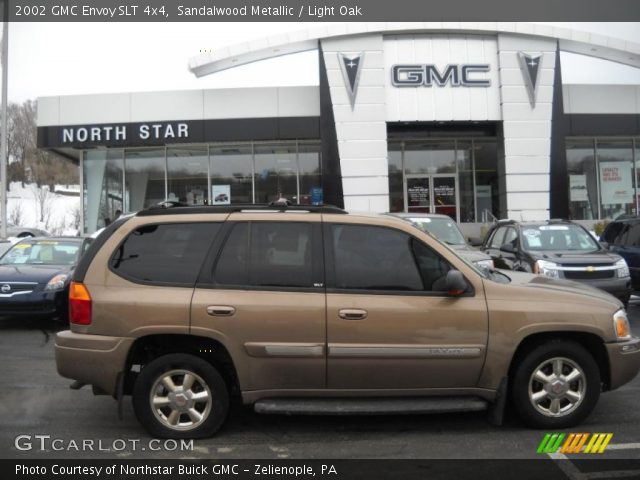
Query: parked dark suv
point(558, 249)
point(623, 237)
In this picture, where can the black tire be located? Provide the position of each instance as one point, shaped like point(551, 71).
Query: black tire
point(522, 379)
point(155, 421)
point(625, 301)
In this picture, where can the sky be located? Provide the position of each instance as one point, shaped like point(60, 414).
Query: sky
point(47, 59)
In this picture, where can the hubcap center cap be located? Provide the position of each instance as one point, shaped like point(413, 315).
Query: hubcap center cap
point(557, 387)
point(181, 400)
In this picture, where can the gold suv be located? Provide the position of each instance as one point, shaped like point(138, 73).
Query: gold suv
point(313, 310)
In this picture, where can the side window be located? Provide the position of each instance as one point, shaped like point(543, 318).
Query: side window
point(373, 258)
point(267, 254)
point(612, 233)
point(498, 237)
point(433, 268)
point(633, 237)
point(510, 236)
point(165, 253)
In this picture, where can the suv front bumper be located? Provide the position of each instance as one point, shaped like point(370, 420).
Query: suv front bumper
point(624, 361)
point(618, 287)
point(92, 359)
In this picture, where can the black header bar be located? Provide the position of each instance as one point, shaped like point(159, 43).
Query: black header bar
point(322, 10)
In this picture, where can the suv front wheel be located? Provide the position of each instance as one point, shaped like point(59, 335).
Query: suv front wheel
point(180, 396)
point(556, 385)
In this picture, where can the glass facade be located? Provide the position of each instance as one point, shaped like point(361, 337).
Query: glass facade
point(456, 177)
point(127, 180)
point(603, 177)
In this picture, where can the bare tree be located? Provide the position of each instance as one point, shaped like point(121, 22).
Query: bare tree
point(16, 215)
point(44, 202)
point(75, 222)
point(26, 162)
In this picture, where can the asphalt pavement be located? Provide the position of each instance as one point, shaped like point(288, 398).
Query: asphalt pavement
point(40, 417)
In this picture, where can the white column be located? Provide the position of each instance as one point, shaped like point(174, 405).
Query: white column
point(527, 129)
point(362, 132)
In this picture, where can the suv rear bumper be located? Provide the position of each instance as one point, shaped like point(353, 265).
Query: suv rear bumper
point(92, 359)
point(624, 361)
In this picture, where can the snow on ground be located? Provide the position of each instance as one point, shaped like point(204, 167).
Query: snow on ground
point(30, 206)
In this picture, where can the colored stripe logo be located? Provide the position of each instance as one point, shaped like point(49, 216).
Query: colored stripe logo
point(574, 443)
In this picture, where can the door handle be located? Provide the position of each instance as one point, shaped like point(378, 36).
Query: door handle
point(352, 314)
point(220, 310)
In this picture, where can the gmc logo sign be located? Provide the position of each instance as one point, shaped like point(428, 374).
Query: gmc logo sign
point(468, 75)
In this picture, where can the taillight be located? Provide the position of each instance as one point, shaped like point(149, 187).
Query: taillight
point(79, 304)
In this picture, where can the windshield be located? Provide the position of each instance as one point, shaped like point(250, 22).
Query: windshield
point(444, 229)
point(42, 252)
point(558, 238)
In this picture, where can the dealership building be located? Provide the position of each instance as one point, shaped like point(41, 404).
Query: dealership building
point(470, 120)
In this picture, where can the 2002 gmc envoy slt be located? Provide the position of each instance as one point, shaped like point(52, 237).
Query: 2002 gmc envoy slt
point(298, 309)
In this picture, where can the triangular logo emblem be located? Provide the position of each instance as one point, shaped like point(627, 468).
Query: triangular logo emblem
point(530, 66)
point(350, 65)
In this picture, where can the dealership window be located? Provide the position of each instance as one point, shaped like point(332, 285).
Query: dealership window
point(231, 174)
point(103, 174)
point(251, 172)
point(457, 177)
point(187, 172)
point(276, 173)
point(466, 181)
point(310, 174)
point(396, 196)
point(603, 177)
point(145, 179)
point(615, 164)
point(583, 182)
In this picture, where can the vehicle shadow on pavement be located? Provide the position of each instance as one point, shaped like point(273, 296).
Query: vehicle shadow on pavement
point(47, 326)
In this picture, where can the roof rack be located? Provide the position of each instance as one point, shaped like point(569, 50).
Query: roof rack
point(177, 208)
point(558, 220)
point(505, 221)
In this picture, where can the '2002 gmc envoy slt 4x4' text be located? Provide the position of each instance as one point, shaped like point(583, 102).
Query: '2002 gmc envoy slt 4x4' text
point(298, 309)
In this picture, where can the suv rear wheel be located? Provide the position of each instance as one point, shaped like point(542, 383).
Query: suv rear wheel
point(556, 385)
point(180, 396)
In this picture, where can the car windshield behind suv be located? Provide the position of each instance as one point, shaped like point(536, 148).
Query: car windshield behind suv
point(558, 238)
point(444, 229)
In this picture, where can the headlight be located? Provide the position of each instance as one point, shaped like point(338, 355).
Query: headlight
point(622, 269)
point(621, 325)
point(548, 269)
point(485, 264)
point(57, 282)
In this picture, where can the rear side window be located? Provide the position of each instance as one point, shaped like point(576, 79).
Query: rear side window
point(498, 237)
point(633, 236)
point(170, 253)
point(374, 258)
point(267, 254)
point(613, 233)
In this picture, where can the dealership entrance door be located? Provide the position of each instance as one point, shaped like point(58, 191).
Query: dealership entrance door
point(436, 193)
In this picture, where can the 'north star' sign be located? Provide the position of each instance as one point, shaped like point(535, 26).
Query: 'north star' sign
point(119, 133)
point(456, 75)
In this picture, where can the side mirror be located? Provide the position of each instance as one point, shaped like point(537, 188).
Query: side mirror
point(508, 248)
point(604, 245)
point(455, 283)
point(475, 241)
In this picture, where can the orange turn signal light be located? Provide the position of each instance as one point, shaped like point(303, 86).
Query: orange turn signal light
point(622, 327)
point(77, 291)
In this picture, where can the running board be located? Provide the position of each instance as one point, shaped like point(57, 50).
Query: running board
point(370, 406)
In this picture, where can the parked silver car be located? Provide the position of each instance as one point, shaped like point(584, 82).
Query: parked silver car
point(445, 229)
